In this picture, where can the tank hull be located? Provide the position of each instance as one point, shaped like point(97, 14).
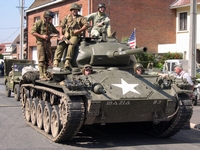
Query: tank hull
point(123, 97)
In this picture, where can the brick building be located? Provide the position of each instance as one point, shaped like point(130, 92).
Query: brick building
point(154, 21)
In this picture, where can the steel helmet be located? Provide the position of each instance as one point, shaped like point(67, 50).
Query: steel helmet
point(101, 5)
point(75, 6)
point(138, 65)
point(49, 14)
point(86, 66)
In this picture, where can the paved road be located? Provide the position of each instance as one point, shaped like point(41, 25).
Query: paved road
point(15, 134)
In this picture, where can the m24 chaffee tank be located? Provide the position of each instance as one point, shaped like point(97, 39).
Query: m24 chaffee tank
point(113, 93)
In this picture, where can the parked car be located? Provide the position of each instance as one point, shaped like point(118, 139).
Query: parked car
point(13, 75)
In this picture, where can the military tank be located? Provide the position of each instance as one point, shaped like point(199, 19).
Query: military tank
point(113, 93)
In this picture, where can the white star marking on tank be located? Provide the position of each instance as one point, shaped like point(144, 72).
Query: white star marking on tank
point(126, 87)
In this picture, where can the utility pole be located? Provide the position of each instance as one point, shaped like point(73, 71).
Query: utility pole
point(22, 29)
point(192, 38)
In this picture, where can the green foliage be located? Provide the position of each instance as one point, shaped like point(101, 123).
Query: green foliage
point(1, 56)
point(169, 55)
point(157, 59)
point(124, 39)
point(145, 58)
point(198, 75)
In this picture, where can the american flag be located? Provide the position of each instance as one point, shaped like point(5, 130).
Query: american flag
point(132, 40)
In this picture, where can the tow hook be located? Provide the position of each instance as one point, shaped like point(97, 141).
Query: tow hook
point(155, 118)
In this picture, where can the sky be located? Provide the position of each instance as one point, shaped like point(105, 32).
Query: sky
point(10, 19)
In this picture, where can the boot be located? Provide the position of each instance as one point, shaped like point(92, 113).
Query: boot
point(41, 71)
point(46, 74)
point(55, 63)
point(67, 64)
point(103, 37)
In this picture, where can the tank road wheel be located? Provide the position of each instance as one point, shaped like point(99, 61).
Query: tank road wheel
point(40, 110)
point(8, 91)
point(47, 118)
point(28, 109)
point(16, 92)
point(34, 111)
point(55, 121)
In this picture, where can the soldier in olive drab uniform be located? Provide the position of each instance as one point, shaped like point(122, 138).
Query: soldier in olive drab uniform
point(100, 22)
point(71, 28)
point(39, 30)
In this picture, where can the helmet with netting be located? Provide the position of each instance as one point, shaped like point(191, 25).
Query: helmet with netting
point(75, 6)
point(48, 14)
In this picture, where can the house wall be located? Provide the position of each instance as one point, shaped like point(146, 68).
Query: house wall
point(63, 9)
point(154, 22)
point(183, 37)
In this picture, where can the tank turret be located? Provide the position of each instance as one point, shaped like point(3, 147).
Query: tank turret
point(106, 54)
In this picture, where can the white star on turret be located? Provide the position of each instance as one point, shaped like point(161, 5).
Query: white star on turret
point(126, 87)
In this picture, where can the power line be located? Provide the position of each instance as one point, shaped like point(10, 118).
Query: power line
point(8, 28)
point(9, 36)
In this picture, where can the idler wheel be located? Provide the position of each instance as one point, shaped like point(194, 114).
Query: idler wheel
point(55, 121)
point(28, 109)
point(47, 118)
point(34, 111)
point(40, 110)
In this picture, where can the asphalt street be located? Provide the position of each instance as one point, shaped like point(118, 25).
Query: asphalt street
point(15, 134)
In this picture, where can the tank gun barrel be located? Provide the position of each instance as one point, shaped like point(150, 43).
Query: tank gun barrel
point(124, 52)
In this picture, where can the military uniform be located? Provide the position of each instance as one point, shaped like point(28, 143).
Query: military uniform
point(98, 18)
point(40, 27)
point(44, 52)
point(68, 25)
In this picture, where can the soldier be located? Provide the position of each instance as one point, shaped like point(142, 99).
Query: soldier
point(139, 69)
point(100, 22)
point(11, 74)
point(42, 30)
point(182, 74)
point(71, 28)
point(87, 69)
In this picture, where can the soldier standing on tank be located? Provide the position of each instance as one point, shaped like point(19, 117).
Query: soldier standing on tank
point(42, 30)
point(72, 26)
point(100, 22)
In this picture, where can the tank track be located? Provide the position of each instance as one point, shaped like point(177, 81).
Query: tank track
point(71, 111)
point(170, 128)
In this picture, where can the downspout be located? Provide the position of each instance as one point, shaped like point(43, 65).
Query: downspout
point(89, 7)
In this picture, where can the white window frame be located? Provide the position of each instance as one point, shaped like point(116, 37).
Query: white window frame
point(55, 20)
point(36, 18)
point(183, 21)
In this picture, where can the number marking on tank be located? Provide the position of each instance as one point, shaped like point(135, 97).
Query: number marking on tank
point(157, 102)
point(118, 103)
